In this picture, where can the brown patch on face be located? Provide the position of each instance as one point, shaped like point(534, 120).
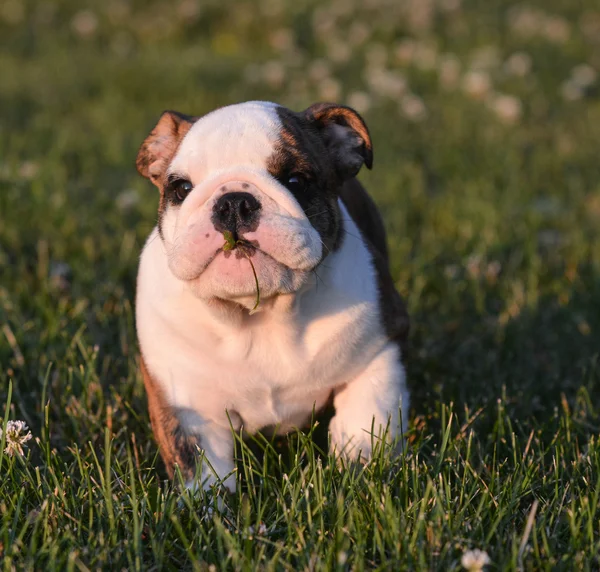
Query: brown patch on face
point(159, 148)
point(301, 153)
point(326, 145)
point(175, 445)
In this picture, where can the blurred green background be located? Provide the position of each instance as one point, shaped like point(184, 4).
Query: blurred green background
point(485, 118)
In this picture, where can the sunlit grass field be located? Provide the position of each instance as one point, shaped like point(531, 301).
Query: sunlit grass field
point(485, 117)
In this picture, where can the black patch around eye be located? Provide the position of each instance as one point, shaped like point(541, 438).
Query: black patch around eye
point(296, 183)
point(177, 189)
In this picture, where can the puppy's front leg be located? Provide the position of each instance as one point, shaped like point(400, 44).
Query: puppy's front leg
point(365, 406)
point(183, 436)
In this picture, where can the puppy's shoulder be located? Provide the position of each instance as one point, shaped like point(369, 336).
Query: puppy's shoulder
point(366, 216)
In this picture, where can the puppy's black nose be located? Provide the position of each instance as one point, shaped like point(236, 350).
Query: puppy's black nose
point(236, 212)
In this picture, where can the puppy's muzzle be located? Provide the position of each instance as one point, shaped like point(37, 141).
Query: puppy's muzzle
point(236, 212)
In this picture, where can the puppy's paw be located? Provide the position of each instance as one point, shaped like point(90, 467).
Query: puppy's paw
point(211, 499)
point(352, 444)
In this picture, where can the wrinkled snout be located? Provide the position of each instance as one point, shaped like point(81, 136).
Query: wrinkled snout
point(236, 211)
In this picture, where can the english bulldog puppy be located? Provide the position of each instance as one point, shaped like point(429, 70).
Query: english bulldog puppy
point(260, 204)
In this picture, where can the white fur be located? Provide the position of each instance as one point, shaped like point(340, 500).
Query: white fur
point(275, 367)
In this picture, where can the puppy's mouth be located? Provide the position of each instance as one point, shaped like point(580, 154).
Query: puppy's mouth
point(237, 244)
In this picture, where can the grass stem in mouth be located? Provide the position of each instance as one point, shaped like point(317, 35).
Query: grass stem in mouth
point(231, 244)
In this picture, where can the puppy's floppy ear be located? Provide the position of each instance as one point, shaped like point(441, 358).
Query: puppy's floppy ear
point(345, 135)
point(160, 146)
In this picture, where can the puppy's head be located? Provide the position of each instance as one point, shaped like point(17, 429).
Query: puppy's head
point(260, 175)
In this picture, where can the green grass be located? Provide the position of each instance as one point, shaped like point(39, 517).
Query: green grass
point(494, 226)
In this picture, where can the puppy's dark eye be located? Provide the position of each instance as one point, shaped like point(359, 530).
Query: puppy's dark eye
point(296, 182)
point(180, 189)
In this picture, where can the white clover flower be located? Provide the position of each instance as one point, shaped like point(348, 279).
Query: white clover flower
point(404, 52)
point(556, 29)
point(584, 75)
point(376, 55)
point(330, 89)
point(339, 51)
point(450, 5)
point(17, 434)
point(127, 199)
point(571, 91)
point(386, 83)
point(413, 108)
point(449, 71)
point(526, 21)
point(425, 57)
point(273, 72)
point(359, 100)
point(359, 33)
point(493, 270)
point(475, 560)
point(507, 107)
point(262, 529)
point(282, 39)
point(518, 64)
point(84, 23)
point(473, 265)
point(28, 170)
point(477, 84)
point(319, 70)
point(485, 58)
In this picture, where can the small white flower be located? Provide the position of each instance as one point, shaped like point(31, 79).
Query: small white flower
point(507, 107)
point(359, 33)
point(319, 70)
point(188, 9)
point(282, 39)
point(28, 170)
point(359, 100)
point(84, 23)
point(493, 270)
point(473, 265)
point(127, 199)
point(376, 55)
point(273, 72)
point(556, 29)
point(584, 75)
point(386, 83)
point(571, 91)
point(17, 434)
point(262, 530)
point(475, 560)
point(342, 557)
point(477, 84)
point(449, 71)
point(451, 271)
point(485, 58)
point(518, 64)
point(425, 57)
point(330, 89)
point(405, 51)
point(339, 51)
point(413, 107)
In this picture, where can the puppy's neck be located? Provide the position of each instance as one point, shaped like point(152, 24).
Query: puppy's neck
point(239, 313)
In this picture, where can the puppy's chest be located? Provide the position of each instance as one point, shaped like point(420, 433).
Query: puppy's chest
point(274, 372)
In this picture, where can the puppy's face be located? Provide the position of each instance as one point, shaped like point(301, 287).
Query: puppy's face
point(262, 176)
